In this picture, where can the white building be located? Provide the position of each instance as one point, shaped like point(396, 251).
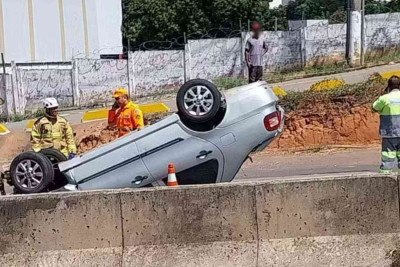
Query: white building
point(59, 30)
point(276, 3)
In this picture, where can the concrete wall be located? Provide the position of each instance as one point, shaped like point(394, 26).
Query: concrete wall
point(382, 31)
point(324, 43)
point(7, 108)
point(41, 83)
point(331, 221)
point(96, 79)
point(155, 71)
point(150, 72)
point(222, 57)
point(284, 50)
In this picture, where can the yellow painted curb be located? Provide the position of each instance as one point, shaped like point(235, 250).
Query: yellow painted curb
point(388, 74)
point(3, 129)
point(102, 114)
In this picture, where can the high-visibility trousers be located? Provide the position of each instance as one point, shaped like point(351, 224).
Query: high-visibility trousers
point(390, 153)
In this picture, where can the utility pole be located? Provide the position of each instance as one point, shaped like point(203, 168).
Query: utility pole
point(184, 58)
point(3, 84)
point(362, 52)
point(348, 32)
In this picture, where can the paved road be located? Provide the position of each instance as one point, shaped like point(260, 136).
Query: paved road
point(269, 166)
point(349, 77)
point(329, 162)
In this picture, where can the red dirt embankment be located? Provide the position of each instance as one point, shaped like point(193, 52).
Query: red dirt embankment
point(313, 125)
point(324, 124)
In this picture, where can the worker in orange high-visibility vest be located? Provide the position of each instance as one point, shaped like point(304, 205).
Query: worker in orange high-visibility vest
point(124, 114)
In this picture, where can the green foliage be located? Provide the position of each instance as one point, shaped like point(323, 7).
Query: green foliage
point(161, 20)
point(314, 9)
point(353, 93)
point(376, 7)
point(149, 20)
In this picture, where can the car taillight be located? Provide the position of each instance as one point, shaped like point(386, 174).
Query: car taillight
point(272, 121)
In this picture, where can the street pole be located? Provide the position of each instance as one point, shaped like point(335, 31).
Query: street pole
point(348, 31)
point(184, 58)
point(3, 84)
point(362, 58)
point(3, 63)
point(276, 24)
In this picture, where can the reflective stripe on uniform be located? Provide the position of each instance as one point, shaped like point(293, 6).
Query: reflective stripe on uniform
point(389, 155)
point(388, 160)
point(388, 107)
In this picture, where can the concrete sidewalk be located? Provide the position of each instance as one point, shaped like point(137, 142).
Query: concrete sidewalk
point(269, 165)
point(351, 77)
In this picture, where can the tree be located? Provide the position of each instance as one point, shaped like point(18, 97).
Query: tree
point(393, 6)
point(314, 9)
point(145, 20)
point(376, 7)
point(160, 20)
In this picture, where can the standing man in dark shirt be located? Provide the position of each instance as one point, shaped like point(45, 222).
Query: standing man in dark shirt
point(256, 48)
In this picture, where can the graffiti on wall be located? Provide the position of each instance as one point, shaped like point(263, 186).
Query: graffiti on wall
point(97, 78)
point(41, 83)
point(89, 82)
point(156, 70)
point(382, 30)
point(211, 58)
point(3, 106)
point(284, 50)
point(325, 42)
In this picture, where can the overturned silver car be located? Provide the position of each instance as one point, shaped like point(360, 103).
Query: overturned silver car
point(209, 139)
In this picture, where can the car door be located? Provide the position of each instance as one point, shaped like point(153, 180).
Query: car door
point(119, 165)
point(190, 154)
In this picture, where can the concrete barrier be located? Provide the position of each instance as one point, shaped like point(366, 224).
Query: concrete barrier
point(201, 226)
point(335, 221)
point(329, 222)
point(61, 230)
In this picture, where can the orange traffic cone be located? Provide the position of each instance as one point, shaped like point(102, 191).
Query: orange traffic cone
point(171, 175)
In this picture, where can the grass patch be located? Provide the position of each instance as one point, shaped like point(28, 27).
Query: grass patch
point(226, 83)
point(317, 70)
point(383, 55)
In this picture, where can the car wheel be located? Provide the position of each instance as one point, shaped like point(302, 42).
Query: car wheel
point(31, 173)
point(56, 157)
point(198, 101)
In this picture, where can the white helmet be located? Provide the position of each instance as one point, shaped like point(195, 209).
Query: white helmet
point(50, 102)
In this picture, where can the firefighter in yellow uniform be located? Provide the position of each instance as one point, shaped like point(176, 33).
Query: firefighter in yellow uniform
point(53, 131)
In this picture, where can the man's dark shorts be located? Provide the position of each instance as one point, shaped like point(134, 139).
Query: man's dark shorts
point(255, 73)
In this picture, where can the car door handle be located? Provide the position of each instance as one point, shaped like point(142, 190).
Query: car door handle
point(139, 179)
point(203, 154)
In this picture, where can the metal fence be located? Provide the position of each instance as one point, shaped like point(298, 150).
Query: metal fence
point(88, 82)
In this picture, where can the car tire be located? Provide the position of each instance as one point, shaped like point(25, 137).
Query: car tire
point(31, 173)
point(198, 101)
point(56, 157)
